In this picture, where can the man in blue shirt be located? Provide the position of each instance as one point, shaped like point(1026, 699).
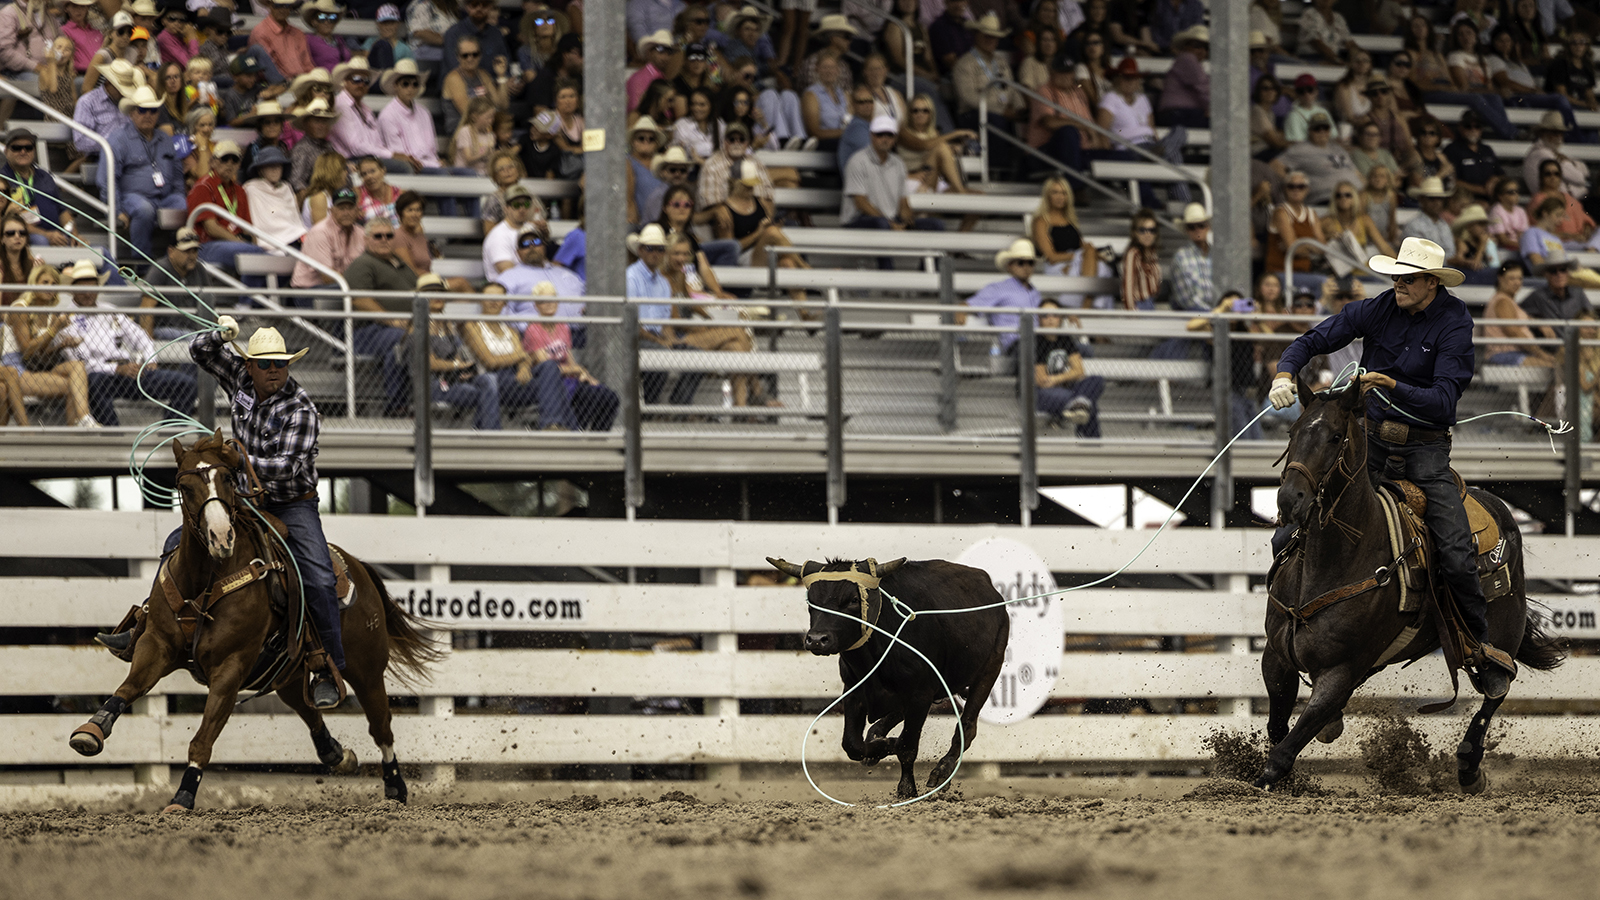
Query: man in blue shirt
point(646, 279)
point(97, 110)
point(534, 266)
point(1418, 349)
point(1016, 292)
point(35, 197)
point(149, 175)
point(478, 23)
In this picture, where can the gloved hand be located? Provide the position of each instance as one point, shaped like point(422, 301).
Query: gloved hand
point(1282, 393)
point(229, 327)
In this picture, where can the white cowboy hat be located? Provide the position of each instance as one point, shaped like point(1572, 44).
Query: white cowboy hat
point(989, 24)
point(1557, 258)
point(123, 74)
point(145, 8)
point(651, 235)
point(645, 123)
point(662, 37)
point(1021, 248)
point(1552, 121)
point(1193, 34)
point(835, 23)
point(267, 343)
point(674, 156)
point(142, 97)
point(266, 109)
point(431, 281)
point(83, 270)
point(355, 65)
point(1468, 216)
point(1431, 187)
point(731, 23)
point(402, 68)
point(1417, 256)
point(1258, 40)
point(1195, 213)
point(316, 109)
point(318, 74)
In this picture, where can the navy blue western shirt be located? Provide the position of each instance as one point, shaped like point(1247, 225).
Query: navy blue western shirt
point(1428, 354)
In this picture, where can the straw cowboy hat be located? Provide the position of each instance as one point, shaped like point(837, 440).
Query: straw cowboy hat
point(645, 123)
point(309, 11)
point(1552, 121)
point(430, 281)
point(266, 109)
point(1557, 258)
point(143, 98)
point(404, 68)
point(83, 270)
point(316, 109)
point(1194, 34)
point(267, 343)
point(1195, 213)
point(319, 75)
point(651, 235)
point(989, 24)
point(835, 23)
point(1418, 256)
point(1431, 187)
point(123, 75)
point(1021, 248)
point(145, 8)
point(662, 38)
point(1258, 40)
point(745, 12)
point(674, 156)
point(356, 65)
point(1468, 216)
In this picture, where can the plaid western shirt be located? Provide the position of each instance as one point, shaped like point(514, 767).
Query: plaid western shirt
point(280, 432)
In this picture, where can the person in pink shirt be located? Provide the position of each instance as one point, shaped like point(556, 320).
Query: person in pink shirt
point(661, 60)
point(406, 128)
point(86, 39)
point(284, 43)
point(356, 133)
point(335, 242)
point(178, 40)
point(1507, 219)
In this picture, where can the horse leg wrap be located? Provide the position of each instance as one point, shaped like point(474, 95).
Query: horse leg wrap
point(394, 786)
point(329, 750)
point(90, 738)
point(187, 788)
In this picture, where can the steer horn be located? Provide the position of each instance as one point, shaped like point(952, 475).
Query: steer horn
point(890, 566)
point(787, 568)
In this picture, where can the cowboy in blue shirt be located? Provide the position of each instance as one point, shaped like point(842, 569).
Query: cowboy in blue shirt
point(1418, 349)
point(1016, 292)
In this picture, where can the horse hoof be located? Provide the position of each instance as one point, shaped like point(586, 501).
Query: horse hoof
point(1262, 784)
point(1478, 786)
point(1331, 731)
point(348, 764)
point(175, 808)
point(88, 740)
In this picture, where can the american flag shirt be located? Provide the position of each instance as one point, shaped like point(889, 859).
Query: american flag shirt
point(280, 432)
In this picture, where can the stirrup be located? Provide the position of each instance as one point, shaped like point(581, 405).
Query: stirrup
point(120, 644)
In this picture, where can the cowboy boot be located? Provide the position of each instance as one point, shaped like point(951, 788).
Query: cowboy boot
point(120, 642)
point(1495, 670)
point(324, 693)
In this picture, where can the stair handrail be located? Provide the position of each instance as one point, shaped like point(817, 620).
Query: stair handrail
point(106, 159)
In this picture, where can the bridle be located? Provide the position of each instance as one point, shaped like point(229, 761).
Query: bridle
point(1331, 487)
point(192, 521)
point(866, 584)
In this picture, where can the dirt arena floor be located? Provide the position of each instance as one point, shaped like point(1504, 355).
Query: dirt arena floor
point(1155, 837)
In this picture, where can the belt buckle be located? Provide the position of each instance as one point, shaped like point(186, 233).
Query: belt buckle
point(1394, 432)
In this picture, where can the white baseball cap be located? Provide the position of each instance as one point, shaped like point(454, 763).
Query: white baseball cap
point(883, 125)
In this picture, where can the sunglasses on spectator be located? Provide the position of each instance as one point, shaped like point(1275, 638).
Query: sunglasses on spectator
point(473, 55)
point(16, 234)
point(1322, 126)
point(230, 158)
point(860, 100)
point(327, 17)
point(544, 20)
point(1306, 90)
point(531, 242)
point(1428, 132)
point(406, 82)
point(1022, 262)
point(736, 139)
point(675, 170)
point(356, 79)
point(1297, 187)
point(20, 148)
point(1197, 226)
point(381, 235)
point(265, 364)
point(1345, 195)
point(883, 134)
point(520, 204)
point(125, 30)
point(1145, 229)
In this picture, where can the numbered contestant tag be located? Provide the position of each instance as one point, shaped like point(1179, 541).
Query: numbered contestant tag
point(1038, 626)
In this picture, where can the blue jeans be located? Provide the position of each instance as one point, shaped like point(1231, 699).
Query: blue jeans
point(1055, 400)
point(721, 253)
point(546, 388)
point(174, 387)
point(310, 550)
point(378, 340)
point(482, 392)
point(141, 212)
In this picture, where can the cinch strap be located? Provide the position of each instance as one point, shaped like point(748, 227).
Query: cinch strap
point(864, 582)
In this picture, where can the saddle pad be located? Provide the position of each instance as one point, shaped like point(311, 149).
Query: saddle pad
point(343, 587)
point(1485, 530)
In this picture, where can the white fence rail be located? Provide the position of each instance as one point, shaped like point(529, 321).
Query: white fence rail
point(720, 674)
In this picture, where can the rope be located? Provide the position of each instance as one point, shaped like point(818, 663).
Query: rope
point(184, 422)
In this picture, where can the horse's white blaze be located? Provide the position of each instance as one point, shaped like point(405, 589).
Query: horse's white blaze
point(218, 526)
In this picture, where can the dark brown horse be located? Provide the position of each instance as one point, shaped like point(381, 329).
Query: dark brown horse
point(218, 612)
point(1346, 553)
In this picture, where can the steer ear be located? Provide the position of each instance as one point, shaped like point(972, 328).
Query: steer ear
point(786, 567)
point(890, 566)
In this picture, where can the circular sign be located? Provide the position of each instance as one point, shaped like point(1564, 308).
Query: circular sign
point(1038, 626)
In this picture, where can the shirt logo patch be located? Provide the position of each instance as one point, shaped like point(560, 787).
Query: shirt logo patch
point(244, 400)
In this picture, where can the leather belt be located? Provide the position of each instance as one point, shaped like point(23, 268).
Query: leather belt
point(1394, 432)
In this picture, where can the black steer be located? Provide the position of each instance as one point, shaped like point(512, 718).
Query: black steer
point(968, 649)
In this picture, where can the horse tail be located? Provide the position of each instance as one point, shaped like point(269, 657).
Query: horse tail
point(1539, 649)
point(412, 652)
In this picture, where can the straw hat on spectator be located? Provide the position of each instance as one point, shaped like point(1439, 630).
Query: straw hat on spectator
point(123, 75)
point(356, 65)
point(731, 23)
point(308, 12)
point(267, 343)
point(674, 156)
point(1376, 82)
point(403, 68)
point(1194, 34)
point(316, 109)
point(1552, 121)
point(1431, 187)
point(1258, 40)
point(1021, 248)
point(429, 281)
point(1557, 258)
point(835, 23)
point(142, 97)
point(645, 123)
point(1417, 256)
point(319, 74)
point(83, 270)
point(145, 8)
point(1469, 216)
point(266, 109)
point(1195, 213)
point(662, 38)
point(989, 24)
point(651, 235)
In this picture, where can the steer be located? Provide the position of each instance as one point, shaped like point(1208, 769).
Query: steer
point(967, 647)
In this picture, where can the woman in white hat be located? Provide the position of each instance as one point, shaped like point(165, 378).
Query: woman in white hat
point(1476, 254)
point(835, 33)
point(1420, 365)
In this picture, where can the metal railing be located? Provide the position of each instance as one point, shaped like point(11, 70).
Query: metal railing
point(106, 158)
point(1327, 250)
point(910, 47)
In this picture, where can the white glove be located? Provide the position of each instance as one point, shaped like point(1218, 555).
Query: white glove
point(229, 327)
point(1282, 393)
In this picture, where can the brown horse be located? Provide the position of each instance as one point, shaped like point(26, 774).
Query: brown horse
point(1346, 576)
point(220, 610)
